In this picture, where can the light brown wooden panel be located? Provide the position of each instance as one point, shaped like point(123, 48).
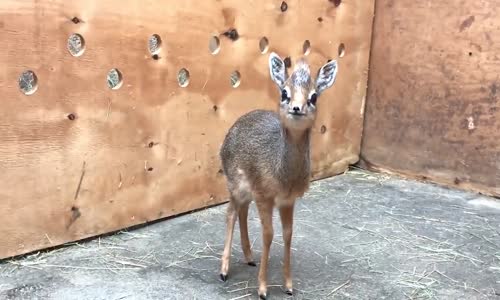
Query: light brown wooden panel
point(433, 107)
point(62, 180)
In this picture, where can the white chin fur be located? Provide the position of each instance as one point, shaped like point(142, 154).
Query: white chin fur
point(297, 122)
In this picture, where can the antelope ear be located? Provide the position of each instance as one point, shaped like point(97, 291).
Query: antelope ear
point(277, 69)
point(326, 76)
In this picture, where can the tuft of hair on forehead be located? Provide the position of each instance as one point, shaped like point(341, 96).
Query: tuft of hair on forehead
point(301, 75)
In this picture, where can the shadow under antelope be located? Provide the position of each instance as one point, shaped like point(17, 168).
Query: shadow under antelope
point(266, 157)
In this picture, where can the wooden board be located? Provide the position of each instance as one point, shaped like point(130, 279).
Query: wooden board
point(433, 107)
point(79, 159)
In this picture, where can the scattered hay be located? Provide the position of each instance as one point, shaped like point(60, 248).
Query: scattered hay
point(335, 290)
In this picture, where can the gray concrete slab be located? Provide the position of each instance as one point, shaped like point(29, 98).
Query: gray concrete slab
point(357, 236)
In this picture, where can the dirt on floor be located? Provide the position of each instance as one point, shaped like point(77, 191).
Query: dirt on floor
point(356, 236)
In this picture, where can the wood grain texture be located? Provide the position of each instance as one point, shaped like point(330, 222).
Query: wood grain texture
point(150, 149)
point(433, 108)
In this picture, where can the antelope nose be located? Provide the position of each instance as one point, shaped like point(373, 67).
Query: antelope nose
point(296, 109)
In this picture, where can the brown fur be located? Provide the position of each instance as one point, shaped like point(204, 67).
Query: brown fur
point(266, 158)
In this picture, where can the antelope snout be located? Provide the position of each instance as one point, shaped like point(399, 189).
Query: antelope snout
point(296, 108)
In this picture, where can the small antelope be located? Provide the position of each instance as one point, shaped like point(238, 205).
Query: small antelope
point(265, 157)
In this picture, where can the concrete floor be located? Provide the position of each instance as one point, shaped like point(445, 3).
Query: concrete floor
point(357, 236)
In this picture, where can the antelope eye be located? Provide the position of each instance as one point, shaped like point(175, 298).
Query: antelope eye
point(284, 95)
point(312, 98)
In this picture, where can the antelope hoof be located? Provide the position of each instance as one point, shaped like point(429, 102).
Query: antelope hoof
point(252, 263)
point(289, 292)
point(223, 277)
point(263, 292)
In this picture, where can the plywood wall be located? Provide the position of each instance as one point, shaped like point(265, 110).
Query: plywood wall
point(433, 105)
point(79, 159)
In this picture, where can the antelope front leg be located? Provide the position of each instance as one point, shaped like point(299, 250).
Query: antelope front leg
point(265, 207)
point(286, 214)
point(226, 256)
